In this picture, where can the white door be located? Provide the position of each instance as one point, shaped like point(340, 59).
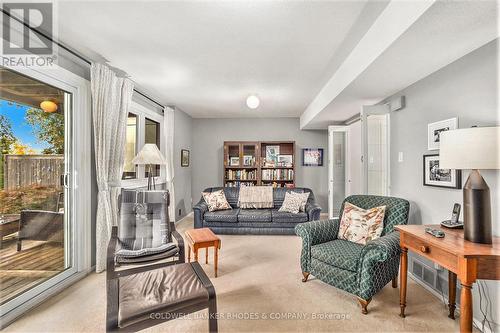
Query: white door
point(338, 168)
point(375, 124)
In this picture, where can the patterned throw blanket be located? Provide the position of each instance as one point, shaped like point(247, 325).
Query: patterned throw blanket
point(256, 197)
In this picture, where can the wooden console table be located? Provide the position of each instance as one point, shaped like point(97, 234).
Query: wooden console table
point(469, 261)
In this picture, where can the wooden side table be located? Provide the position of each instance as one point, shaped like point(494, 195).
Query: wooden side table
point(466, 260)
point(203, 238)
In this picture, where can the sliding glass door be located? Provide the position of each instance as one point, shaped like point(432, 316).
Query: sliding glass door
point(37, 188)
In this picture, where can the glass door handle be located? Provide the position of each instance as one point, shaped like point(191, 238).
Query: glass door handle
point(65, 179)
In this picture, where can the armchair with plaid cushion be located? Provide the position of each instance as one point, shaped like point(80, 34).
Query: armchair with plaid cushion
point(361, 270)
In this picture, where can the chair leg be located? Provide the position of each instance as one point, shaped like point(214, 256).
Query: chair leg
point(364, 304)
point(18, 245)
point(212, 315)
point(395, 282)
point(306, 275)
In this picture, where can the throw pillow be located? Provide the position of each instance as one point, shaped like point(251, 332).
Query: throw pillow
point(216, 201)
point(303, 199)
point(291, 204)
point(360, 225)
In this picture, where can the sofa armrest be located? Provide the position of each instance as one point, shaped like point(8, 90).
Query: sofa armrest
point(312, 233)
point(313, 210)
point(383, 248)
point(199, 212)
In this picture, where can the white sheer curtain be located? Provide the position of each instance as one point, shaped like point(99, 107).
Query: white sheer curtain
point(111, 98)
point(168, 129)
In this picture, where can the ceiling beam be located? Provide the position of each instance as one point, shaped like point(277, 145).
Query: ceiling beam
point(396, 18)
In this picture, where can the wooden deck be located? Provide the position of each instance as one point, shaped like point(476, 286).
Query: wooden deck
point(20, 271)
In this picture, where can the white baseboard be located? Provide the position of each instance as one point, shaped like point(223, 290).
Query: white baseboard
point(184, 217)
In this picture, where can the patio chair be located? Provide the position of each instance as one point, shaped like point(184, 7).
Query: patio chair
point(40, 225)
point(141, 297)
point(144, 230)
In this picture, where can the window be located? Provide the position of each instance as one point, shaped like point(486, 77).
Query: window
point(129, 169)
point(152, 135)
point(144, 125)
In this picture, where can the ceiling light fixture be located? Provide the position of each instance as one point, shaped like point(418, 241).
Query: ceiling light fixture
point(48, 106)
point(253, 102)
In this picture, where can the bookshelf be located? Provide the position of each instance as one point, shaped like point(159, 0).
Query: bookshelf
point(250, 163)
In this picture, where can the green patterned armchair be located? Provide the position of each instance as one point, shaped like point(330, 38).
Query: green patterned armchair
point(361, 270)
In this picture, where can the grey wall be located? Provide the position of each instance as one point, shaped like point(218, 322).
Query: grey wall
point(183, 124)
point(466, 89)
point(210, 134)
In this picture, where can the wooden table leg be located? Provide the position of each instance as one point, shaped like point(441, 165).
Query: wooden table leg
point(466, 308)
point(195, 253)
point(452, 293)
point(206, 255)
point(189, 253)
point(403, 280)
point(216, 257)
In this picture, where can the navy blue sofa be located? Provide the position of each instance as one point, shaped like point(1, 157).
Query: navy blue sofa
point(254, 221)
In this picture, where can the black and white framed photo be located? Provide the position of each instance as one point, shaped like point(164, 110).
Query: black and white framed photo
point(312, 157)
point(434, 131)
point(435, 176)
point(184, 158)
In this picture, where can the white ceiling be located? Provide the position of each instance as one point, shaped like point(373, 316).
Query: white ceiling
point(447, 31)
point(207, 57)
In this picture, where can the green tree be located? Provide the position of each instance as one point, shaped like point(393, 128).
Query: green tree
point(49, 128)
point(6, 140)
point(6, 135)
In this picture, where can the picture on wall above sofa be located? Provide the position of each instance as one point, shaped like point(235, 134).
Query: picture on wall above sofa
point(434, 176)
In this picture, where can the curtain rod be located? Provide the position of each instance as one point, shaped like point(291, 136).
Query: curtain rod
point(76, 54)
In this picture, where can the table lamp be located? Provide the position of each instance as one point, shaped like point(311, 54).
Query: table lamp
point(149, 155)
point(473, 148)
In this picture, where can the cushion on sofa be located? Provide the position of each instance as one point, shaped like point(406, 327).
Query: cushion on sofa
point(230, 215)
point(254, 215)
point(216, 200)
point(279, 217)
point(339, 253)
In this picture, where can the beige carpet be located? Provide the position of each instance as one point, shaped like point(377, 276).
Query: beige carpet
point(259, 276)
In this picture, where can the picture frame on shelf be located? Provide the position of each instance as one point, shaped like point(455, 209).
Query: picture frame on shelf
point(248, 160)
point(234, 161)
point(435, 129)
point(312, 156)
point(434, 176)
point(272, 153)
point(184, 158)
point(285, 160)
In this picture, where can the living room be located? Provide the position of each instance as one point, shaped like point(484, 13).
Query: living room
point(260, 166)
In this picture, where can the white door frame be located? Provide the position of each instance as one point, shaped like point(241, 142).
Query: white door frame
point(367, 110)
point(347, 171)
point(80, 179)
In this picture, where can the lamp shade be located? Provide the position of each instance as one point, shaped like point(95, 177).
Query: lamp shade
point(149, 154)
point(470, 148)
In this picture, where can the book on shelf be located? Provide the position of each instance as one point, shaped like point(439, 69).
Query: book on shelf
point(241, 174)
point(239, 183)
point(276, 184)
point(277, 174)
